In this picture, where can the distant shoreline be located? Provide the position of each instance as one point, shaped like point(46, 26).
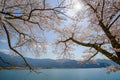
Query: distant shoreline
point(12, 68)
point(23, 68)
point(17, 68)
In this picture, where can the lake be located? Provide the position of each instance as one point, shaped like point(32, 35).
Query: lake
point(60, 74)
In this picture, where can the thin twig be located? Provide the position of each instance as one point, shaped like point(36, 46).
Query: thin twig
point(114, 21)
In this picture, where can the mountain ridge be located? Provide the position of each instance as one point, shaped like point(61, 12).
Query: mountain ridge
point(17, 61)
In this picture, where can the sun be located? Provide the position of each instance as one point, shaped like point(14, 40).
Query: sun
point(77, 6)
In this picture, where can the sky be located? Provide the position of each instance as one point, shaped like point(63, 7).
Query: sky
point(51, 35)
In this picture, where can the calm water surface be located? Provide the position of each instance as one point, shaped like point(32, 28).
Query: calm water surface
point(60, 74)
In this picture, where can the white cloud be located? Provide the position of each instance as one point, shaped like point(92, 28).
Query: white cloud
point(4, 51)
point(3, 41)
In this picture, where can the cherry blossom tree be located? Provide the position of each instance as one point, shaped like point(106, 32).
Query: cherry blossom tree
point(23, 23)
point(101, 34)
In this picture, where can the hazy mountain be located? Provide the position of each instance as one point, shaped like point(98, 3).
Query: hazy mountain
point(17, 61)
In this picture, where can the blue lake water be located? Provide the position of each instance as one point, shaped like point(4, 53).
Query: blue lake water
point(60, 74)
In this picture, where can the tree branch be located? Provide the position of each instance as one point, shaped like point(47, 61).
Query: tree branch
point(11, 16)
point(48, 9)
point(93, 56)
point(92, 7)
point(4, 3)
point(44, 1)
point(113, 21)
point(10, 46)
point(102, 9)
point(97, 47)
point(94, 10)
